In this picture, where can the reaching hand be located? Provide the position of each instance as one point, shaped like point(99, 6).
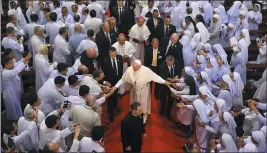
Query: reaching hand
point(107, 84)
point(145, 136)
point(180, 105)
point(167, 83)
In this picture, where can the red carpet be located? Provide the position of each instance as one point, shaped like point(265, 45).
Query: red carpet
point(162, 135)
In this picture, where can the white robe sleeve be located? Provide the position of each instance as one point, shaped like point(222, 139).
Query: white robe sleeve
point(75, 146)
point(262, 106)
point(189, 97)
point(120, 83)
point(190, 107)
point(16, 70)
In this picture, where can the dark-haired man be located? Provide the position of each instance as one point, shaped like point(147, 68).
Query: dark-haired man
point(71, 88)
point(93, 22)
point(62, 70)
point(113, 70)
point(152, 24)
point(100, 12)
point(61, 49)
point(52, 28)
point(94, 143)
point(50, 95)
point(88, 43)
point(11, 84)
point(132, 129)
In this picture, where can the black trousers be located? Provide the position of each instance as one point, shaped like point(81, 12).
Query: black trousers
point(164, 95)
point(112, 104)
point(136, 148)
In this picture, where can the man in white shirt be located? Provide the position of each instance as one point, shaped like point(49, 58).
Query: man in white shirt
point(62, 70)
point(92, 82)
point(94, 143)
point(84, 15)
point(88, 43)
point(48, 130)
point(71, 88)
point(50, 94)
point(93, 22)
point(31, 141)
point(74, 10)
point(148, 10)
point(61, 49)
point(65, 17)
point(43, 67)
point(98, 8)
point(36, 41)
point(76, 19)
point(52, 28)
point(10, 42)
point(12, 22)
point(34, 103)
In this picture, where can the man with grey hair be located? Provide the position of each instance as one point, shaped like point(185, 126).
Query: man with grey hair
point(72, 30)
point(43, 68)
point(114, 30)
point(85, 116)
point(167, 71)
point(30, 142)
point(139, 77)
point(36, 41)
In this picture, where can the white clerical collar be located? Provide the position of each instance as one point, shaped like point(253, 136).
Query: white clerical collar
point(113, 58)
point(134, 115)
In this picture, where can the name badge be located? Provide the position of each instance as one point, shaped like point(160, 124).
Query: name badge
point(160, 57)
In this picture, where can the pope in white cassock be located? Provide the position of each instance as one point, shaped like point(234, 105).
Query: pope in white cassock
point(139, 77)
point(139, 34)
point(127, 51)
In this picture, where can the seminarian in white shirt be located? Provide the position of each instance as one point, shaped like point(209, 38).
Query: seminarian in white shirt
point(98, 8)
point(65, 17)
point(61, 48)
point(93, 22)
point(52, 28)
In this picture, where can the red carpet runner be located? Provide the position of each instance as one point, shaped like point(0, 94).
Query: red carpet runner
point(162, 135)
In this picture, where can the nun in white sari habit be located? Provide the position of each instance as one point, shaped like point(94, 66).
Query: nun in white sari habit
point(238, 101)
point(215, 29)
point(221, 105)
point(228, 125)
point(227, 33)
point(212, 69)
point(259, 137)
point(254, 17)
point(223, 15)
point(200, 63)
point(219, 50)
point(261, 87)
point(227, 144)
point(207, 12)
point(242, 23)
point(188, 54)
point(227, 91)
point(203, 31)
point(208, 52)
point(233, 12)
point(178, 15)
point(223, 67)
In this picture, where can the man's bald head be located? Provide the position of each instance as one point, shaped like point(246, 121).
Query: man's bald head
point(77, 28)
point(90, 100)
point(83, 69)
point(91, 52)
point(136, 64)
point(174, 38)
point(51, 147)
point(106, 27)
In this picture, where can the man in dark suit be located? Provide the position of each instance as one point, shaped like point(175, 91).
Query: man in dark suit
point(130, 4)
point(113, 69)
point(152, 24)
point(104, 41)
point(175, 48)
point(165, 30)
point(153, 59)
point(132, 129)
point(114, 30)
point(88, 58)
point(167, 72)
point(123, 17)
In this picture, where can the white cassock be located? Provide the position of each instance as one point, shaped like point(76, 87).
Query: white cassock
point(98, 8)
point(11, 88)
point(93, 23)
point(42, 71)
point(29, 12)
point(35, 45)
point(41, 115)
point(52, 29)
point(50, 97)
point(61, 50)
point(67, 20)
point(124, 50)
point(92, 84)
point(21, 19)
point(18, 30)
point(55, 73)
point(70, 90)
point(140, 86)
point(140, 33)
point(31, 141)
point(261, 88)
point(88, 145)
point(48, 134)
point(13, 44)
point(29, 29)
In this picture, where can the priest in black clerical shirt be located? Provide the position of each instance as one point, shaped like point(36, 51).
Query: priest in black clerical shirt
point(88, 58)
point(132, 129)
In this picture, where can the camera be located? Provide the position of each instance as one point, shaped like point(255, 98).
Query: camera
point(67, 104)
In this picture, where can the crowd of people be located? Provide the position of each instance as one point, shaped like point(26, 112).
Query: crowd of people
point(85, 56)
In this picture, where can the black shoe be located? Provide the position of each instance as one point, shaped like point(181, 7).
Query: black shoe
point(144, 124)
point(111, 119)
point(117, 109)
